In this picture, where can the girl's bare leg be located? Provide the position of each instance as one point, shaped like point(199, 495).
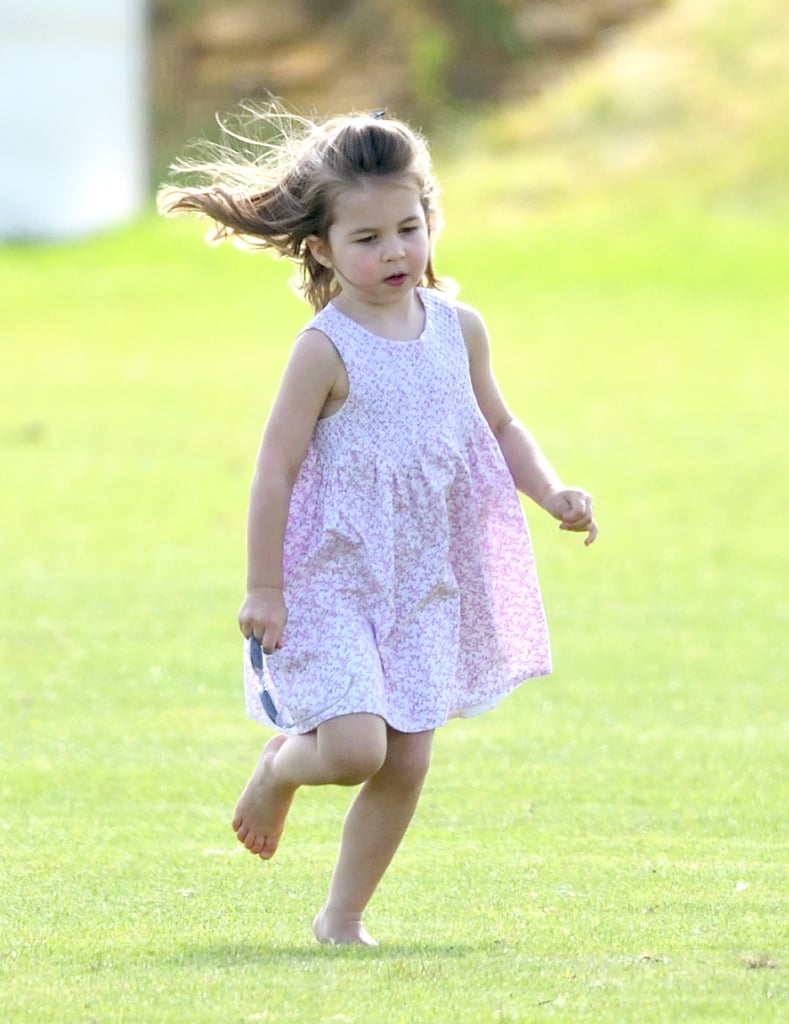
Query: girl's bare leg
point(373, 830)
point(344, 751)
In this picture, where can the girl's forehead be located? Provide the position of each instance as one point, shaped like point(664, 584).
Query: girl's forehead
point(377, 198)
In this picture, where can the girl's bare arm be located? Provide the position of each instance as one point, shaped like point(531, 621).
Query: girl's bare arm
point(531, 471)
point(312, 377)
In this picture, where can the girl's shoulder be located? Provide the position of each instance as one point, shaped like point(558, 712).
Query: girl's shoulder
point(467, 315)
point(469, 319)
point(314, 338)
point(314, 350)
point(449, 305)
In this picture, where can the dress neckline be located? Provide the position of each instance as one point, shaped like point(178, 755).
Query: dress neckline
point(382, 337)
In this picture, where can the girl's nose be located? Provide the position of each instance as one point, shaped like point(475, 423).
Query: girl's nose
point(394, 249)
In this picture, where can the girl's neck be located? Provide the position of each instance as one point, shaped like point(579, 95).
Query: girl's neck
point(401, 321)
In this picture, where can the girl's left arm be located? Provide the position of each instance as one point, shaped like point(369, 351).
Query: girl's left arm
point(531, 471)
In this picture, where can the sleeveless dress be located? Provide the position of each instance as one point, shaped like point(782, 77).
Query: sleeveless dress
point(409, 574)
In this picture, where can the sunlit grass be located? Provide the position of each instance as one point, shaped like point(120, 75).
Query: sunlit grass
point(609, 845)
point(679, 112)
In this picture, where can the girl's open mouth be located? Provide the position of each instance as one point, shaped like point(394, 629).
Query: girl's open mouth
point(395, 279)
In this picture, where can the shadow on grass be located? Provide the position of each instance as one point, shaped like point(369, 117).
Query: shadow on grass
point(230, 955)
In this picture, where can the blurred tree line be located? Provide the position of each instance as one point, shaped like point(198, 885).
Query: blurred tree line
point(414, 58)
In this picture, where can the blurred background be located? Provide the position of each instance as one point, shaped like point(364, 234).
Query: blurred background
point(615, 179)
point(100, 97)
point(425, 61)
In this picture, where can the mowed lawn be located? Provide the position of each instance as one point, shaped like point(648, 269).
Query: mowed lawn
point(609, 845)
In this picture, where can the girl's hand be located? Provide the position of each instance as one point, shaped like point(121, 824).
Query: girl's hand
point(573, 508)
point(263, 615)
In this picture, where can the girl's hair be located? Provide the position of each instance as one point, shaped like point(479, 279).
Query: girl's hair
point(273, 181)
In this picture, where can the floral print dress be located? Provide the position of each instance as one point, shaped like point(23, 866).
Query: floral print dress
point(409, 574)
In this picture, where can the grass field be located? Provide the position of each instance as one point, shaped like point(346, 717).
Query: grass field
point(610, 845)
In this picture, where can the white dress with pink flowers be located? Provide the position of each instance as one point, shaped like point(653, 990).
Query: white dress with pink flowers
point(409, 574)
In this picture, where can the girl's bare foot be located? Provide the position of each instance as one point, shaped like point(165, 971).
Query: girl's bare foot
point(341, 929)
point(263, 807)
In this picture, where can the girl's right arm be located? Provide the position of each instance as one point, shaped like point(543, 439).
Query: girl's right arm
point(314, 378)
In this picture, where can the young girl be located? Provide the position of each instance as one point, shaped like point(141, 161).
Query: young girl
point(391, 584)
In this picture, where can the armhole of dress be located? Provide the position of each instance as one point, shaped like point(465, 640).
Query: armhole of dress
point(313, 326)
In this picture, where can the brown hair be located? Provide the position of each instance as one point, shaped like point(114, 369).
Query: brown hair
point(272, 193)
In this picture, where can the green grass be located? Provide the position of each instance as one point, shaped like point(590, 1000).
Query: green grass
point(682, 110)
point(610, 845)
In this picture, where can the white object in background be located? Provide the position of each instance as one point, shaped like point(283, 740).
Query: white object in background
point(73, 124)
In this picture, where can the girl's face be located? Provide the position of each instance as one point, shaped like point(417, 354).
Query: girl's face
point(378, 243)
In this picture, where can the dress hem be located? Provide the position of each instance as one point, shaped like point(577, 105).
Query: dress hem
point(465, 712)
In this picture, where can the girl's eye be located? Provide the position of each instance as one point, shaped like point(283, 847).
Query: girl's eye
point(410, 229)
point(365, 239)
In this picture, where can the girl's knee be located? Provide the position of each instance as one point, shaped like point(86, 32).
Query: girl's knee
point(353, 752)
point(355, 764)
point(408, 759)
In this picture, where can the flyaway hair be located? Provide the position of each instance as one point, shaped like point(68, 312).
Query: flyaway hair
point(273, 180)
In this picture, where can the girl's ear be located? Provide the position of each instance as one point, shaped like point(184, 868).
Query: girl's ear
point(319, 249)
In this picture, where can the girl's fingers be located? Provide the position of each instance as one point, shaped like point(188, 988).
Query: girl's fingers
point(271, 640)
point(579, 506)
point(585, 525)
